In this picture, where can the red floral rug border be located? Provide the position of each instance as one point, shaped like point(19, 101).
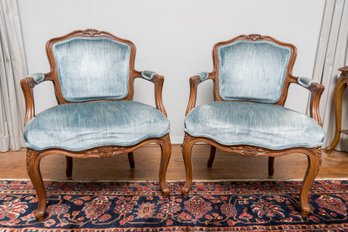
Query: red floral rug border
point(139, 206)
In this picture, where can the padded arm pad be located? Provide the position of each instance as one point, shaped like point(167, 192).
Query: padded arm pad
point(203, 76)
point(304, 81)
point(148, 75)
point(38, 77)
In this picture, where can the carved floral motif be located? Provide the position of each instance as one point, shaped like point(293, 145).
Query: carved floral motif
point(249, 150)
point(254, 37)
point(106, 151)
point(91, 32)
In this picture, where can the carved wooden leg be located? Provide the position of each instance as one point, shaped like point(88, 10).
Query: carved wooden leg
point(186, 152)
point(69, 167)
point(338, 93)
point(270, 166)
point(166, 148)
point(211, 157)
point(314, 161)
point(131, 160)
point(33, 168)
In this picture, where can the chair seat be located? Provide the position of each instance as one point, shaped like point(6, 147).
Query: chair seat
point(262, 125)
point(81, 126)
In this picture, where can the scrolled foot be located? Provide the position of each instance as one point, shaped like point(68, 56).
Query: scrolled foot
point(40, 215)
point(305, 211)
point(185, 191)
point(165, 190)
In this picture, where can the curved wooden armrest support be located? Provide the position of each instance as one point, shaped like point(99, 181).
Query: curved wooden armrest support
point(28, 84)
point(316, 92)
point(194, 82)
point(157, 80)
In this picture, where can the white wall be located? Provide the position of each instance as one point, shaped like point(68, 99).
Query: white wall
point(174, 38)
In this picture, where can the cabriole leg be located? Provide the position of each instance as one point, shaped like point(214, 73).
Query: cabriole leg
point(166, 148)
point(314, 161)
point(33, 168)
point(186, 152)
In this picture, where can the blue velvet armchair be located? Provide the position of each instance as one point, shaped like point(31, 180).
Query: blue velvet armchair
point(93, 74)
point(251, 76)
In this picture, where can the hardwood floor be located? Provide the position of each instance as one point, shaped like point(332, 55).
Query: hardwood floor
point(226, 166)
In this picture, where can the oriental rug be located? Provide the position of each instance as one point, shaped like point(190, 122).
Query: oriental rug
point(139, 206)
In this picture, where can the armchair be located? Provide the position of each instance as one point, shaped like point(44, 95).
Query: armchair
point(92, 73)
point(251, 76)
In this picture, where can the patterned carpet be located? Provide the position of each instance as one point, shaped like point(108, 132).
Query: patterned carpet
point(139, 206)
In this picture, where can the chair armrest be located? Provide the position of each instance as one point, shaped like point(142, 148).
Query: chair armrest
point(28, 84)
point(304, 81)
point(157, 80)
point(194, 82)
point(148, 75)
point(316, 90)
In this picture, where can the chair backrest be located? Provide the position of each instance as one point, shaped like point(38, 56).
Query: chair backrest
point(91, 65)
point(253, 68)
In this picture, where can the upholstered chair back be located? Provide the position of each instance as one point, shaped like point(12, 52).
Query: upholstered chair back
point(252, 70)
point(92, 68)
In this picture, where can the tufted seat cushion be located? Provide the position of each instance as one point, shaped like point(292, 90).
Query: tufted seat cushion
point(263, 125)
point(80, 126)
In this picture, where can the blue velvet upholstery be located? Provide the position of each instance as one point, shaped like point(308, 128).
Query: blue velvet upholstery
point(246, 123)
point(92, 68)
point(38, 77)
point(203, 76)
point(80, 126)
point(252, 70)
point(304, 81)
point(148, 75)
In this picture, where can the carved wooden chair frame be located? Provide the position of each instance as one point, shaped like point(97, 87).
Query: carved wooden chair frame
point(313, 154)
point(34, 157)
